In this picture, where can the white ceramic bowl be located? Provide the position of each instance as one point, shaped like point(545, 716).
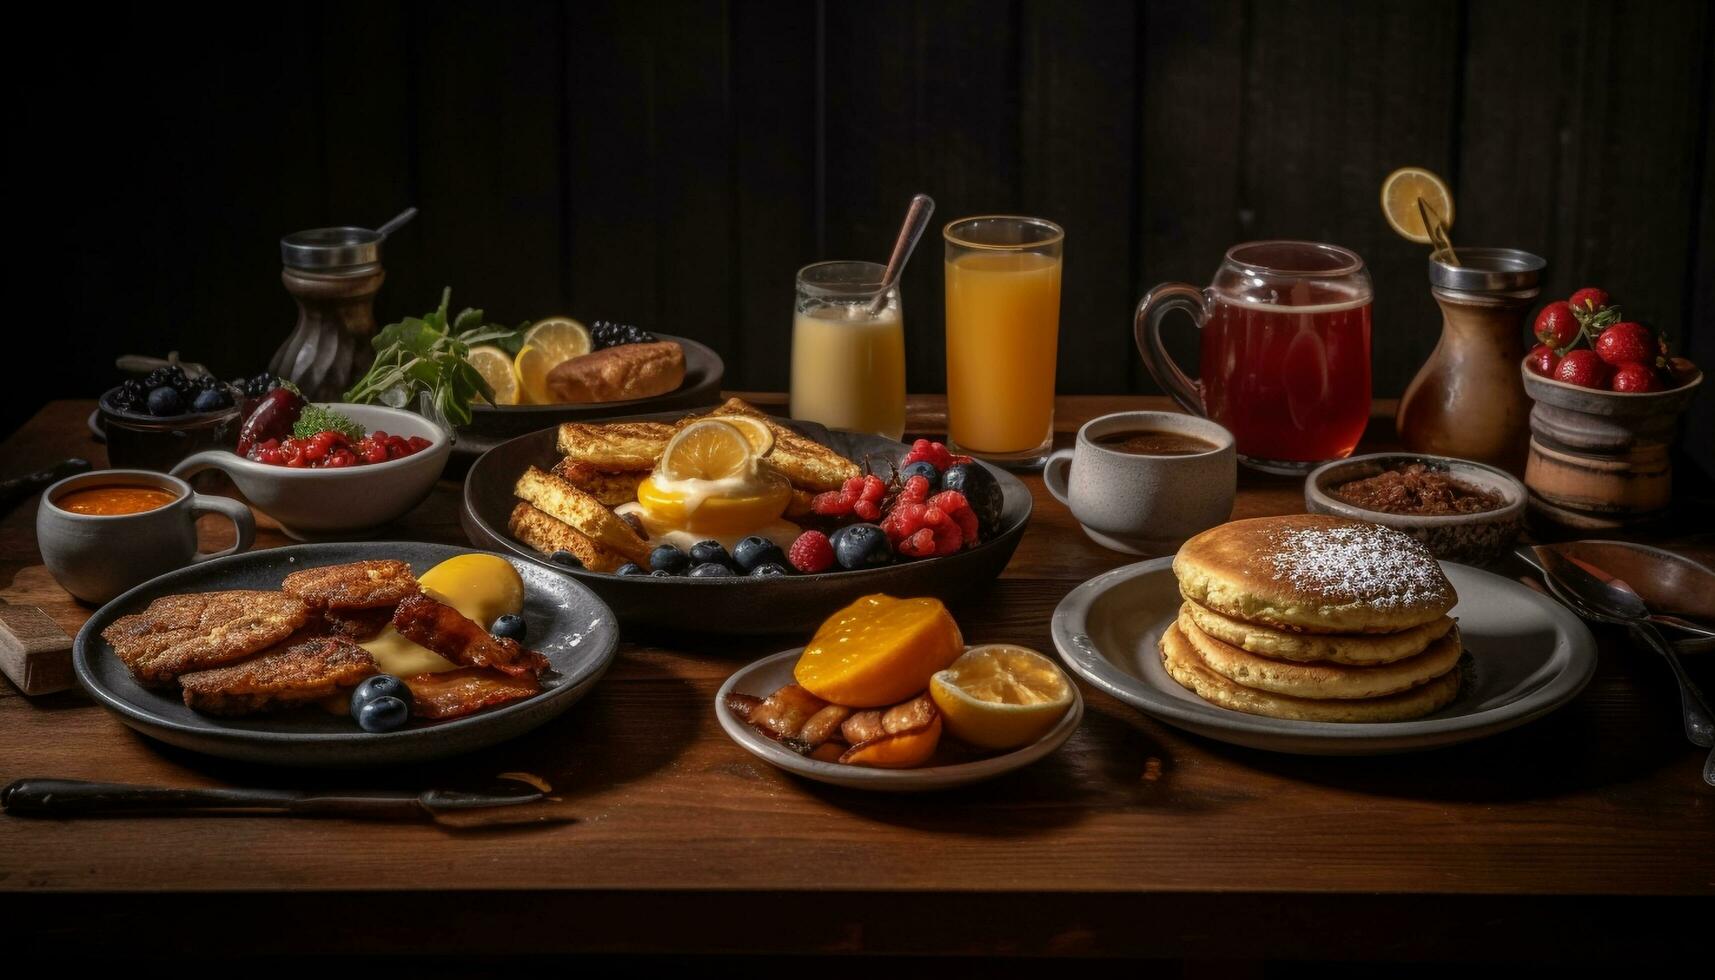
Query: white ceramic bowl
point(357, 501)
point(1473, 539)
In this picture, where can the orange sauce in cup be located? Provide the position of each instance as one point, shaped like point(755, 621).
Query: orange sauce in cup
point(108, 501)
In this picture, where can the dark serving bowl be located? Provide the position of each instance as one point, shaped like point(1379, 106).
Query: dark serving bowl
point(742, 605)
point(1473, 539)
point(139, 441)
point(493, 424)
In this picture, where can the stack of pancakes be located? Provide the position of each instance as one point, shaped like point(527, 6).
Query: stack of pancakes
point(1314, 618)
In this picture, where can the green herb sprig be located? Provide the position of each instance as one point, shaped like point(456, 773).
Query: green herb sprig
point(427, 354)
point(315, 418)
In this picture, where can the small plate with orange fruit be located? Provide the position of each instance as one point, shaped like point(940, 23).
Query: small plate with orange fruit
point(886, 696)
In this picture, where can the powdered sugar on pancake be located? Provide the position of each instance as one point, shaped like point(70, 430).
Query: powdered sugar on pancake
point(1359, 563)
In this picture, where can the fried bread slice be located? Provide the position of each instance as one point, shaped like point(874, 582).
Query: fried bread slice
point(451, 634)
point(587, 515)
point(805, 462)
point(610, 488)
point(548, 535)
point(284, 677)
point(614, 446)
point(372, 584)
point(178, 634)
point(455, 693)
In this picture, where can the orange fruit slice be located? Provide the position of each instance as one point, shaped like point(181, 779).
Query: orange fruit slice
point(906, 750)
point(1000, 696)
point(879, 651)
point(1401, 191)
point(532, 366)
point(708, 449)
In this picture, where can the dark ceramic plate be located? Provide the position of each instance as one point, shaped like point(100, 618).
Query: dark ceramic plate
point(493, 424)
point(568, 624)
point(789, 604)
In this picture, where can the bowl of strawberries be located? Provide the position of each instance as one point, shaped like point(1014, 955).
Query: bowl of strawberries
point(1608, 393)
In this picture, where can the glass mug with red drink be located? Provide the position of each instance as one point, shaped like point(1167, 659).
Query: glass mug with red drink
point(1285, 351)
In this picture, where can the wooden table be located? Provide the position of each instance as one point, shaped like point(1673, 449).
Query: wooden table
point(1578, 837)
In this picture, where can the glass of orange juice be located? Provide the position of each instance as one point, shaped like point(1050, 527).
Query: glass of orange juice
point(848, 349)
point(1003, 330)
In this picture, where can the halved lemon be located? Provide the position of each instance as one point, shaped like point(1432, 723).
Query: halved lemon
point(1000, 696)
point(495, 366)
point(561, 338)
point(532, 366)
point(1401, 191)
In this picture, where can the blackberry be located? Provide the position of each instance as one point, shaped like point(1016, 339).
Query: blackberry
point(606, 334)
point(130, 396)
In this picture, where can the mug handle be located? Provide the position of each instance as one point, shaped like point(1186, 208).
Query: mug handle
point(1055, 474)
point(1146, 330)
point(239, 514)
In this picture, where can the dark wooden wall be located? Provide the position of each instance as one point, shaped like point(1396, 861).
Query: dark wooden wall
point(673, 163)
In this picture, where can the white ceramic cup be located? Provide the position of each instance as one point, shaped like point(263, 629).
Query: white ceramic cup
point(1145, 505)
point(97, 557)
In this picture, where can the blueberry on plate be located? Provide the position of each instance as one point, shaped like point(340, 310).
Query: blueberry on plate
point(710, 569)
point(862, 546)
point(384, 714)
point(166, 400)
point(660, 573)
point(378, 686)
point(705, 552)
point(211, 400)
point(566, 558)
point(757, 550)
point(509, 627)
point(666, 558)
point(630, 568)
point(981, 492)
point(924, 469)
point(769, 569)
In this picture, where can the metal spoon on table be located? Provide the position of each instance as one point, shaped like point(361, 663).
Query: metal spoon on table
point(1596, 600)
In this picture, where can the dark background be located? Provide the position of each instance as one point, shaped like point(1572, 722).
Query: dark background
point(673, 164)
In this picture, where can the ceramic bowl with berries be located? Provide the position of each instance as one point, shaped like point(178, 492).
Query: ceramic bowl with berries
point(153, 422)
point(326, 471)
point(1608, 393)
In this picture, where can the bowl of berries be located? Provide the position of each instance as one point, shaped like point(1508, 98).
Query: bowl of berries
point(326, 471)
point(1608, 393)
point(153, 422)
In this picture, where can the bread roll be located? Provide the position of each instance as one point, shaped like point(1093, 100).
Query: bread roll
point(619, 373)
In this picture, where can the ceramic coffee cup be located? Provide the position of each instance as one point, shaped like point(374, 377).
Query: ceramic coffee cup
point(97, 557)
point(1145, 504)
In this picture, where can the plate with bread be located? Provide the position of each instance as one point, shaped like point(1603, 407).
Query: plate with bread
point(736, 522)
point(1321, 635)
point(350, 654)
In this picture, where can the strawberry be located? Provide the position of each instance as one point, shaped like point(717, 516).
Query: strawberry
point(811, 553)
point(1556, 326)
point(1635, 376)
point(1625, 343)
point(1589, 299)
point(1582, 367)
point(1542, 360)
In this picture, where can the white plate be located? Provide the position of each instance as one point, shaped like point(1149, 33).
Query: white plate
point(1528, 657)
point(770, 674)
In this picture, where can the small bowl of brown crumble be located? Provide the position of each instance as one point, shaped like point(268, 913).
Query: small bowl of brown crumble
point(1460, 510)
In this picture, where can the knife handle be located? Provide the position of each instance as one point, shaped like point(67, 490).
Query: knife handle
point(14, 490)
point(66, 797)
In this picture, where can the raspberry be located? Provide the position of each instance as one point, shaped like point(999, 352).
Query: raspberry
point(867, 510)
point(916, 490)
point(839, 503)
point(918, 545)
point(811, 553)
point(934, 452)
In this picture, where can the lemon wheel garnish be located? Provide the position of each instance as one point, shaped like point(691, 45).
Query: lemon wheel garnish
point(1000, 696)
point(709, 449)
point(560, 338)
point(755, 430)
point(496, 368)
point(1401, 191)
point(532, 366)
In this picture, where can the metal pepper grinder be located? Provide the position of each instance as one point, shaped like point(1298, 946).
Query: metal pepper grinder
point(334, 274)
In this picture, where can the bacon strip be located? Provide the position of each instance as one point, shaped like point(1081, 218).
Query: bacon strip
point(455, 693)
point(446, 631)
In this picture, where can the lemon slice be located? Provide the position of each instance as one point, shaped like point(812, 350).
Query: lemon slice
point(1000, 696)
point(532, 366)
point(761, 437)
point(495, 366)
point(1400, 193)
point(560, 338)
point(708, 449)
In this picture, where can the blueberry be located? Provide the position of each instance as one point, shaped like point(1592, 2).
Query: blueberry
point(925, 469)
point(383, 714)
point(374, 688)
point(981, 492)
point(757, 550)
point(165, 400)
point(510, 626)
point(666, 558)
point(710, 570)
point(630, 568)
point(705, 552)
point(660, 573)
point(769, 570)
point(566, 558)
point(211, 400)
point(862, 546)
